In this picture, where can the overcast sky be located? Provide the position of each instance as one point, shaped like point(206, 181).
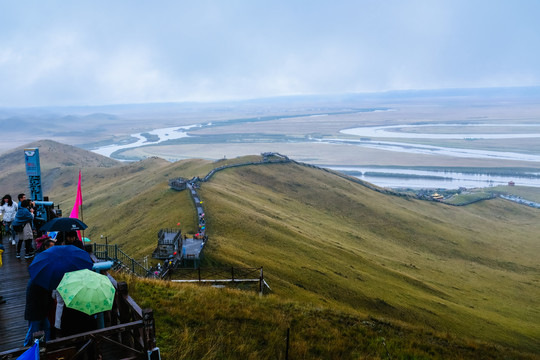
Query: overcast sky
point(104, 52)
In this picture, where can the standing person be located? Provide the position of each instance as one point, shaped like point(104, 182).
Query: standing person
point(24, 224)
point(76, 322)
point(56, 330)
point(71, 238)
point(45, 244)
point(21, 197)
point(38, 301)
point(9, 208)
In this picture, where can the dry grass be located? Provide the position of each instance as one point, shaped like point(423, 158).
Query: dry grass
point(331, 244)
point(327, 241)
point(208, 323)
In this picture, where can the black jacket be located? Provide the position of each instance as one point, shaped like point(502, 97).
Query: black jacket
point(38, 301)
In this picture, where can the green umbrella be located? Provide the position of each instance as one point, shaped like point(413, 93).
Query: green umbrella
point(87, 291)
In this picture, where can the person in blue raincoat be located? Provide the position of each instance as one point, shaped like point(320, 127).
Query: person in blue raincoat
point(24, 224)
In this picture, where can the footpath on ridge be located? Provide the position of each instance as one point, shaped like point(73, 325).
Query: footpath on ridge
point(192, 247)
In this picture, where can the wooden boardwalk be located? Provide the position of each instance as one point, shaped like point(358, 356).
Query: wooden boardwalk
point(13, 280)
point(129, 331)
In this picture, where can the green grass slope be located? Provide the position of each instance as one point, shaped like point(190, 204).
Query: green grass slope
point(54, 158)
point(196, 322)
point(331, 244)
point(471, 271)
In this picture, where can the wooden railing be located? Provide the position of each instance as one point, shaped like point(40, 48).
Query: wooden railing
point(122, 260)
point(128, 333)
point(219, 275)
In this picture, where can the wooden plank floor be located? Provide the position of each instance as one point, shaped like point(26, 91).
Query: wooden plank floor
point(13, 280)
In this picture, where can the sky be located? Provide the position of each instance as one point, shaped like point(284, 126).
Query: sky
point(98, 52)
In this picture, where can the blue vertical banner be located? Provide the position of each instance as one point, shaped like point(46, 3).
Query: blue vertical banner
point(33, 171)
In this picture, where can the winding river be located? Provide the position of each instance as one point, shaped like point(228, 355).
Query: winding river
point(418, 179)
point(164, 134)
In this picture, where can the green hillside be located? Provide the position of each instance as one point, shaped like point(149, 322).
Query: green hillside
point(472, 271)
point(332, 249)
point(197, 322)
point(54, 159)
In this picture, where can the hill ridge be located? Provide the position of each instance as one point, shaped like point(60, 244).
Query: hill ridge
point(331, 242)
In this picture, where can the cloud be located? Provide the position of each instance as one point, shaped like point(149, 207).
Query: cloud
point(99, 52)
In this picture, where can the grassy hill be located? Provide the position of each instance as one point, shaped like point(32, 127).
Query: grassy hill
point(472, 271)
point(54, 158)
point(427, 276)
point(207, 323)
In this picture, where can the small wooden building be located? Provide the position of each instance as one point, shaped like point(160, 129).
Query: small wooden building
point(169, 242)
point(178, 184)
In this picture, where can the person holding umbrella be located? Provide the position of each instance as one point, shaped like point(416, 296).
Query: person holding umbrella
point(68, 227)
point(38, 301)
point(51, 265)
point(72, 239)
point(85, 294)
point(46, 272)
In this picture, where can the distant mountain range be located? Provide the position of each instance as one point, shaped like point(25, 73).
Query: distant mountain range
point(292, 100)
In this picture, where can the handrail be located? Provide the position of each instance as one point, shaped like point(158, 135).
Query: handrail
point(219, 275)
point(116, 254)
point(130, 329)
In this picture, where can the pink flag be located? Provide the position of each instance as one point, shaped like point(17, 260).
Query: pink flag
point(78, 200)
point(77, 205)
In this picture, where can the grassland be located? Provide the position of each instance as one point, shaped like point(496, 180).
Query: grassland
point(529, 193)
point(328, 241)
point(468, 198)
point(207, 323)
point(435, 281)
point(473, 195)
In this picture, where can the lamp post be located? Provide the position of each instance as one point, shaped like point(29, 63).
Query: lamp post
point(106, 247)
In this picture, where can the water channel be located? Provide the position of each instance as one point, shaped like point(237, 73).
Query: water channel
point(431, 179)
point(390, 177)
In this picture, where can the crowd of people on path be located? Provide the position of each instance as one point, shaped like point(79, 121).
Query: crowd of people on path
point(19, 228)
point(44, 310)
point(18, 223)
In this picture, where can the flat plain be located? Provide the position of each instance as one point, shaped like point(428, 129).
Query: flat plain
point(307, 129)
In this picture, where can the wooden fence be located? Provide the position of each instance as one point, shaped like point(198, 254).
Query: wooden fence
point(220, 275)
point(122, 260)
point(128, 333)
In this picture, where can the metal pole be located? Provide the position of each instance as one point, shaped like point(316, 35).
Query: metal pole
point(106, 248)
point(80, 205)
point(261, 282)
point(287, 345)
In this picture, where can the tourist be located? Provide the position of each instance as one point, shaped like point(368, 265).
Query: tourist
point(56, 330)
point(21, 198)
point(38, 301)
point(45, 244)
point(71, 238)
point(24, 225)
point(9, 208)
point(76, 322)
